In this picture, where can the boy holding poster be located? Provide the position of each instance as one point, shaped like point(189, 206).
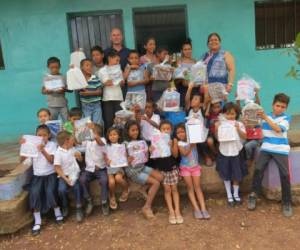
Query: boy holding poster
point(55, 87)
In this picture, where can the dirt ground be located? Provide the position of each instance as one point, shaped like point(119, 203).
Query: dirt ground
point(229, 228)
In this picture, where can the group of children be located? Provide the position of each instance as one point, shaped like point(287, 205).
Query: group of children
point(72, 165)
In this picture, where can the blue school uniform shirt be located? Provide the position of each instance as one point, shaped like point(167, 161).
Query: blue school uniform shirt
point(276, 142)
point(93, 85)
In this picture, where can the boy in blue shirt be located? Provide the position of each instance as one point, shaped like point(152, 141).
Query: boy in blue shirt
point(90, 97)
point(275, 146)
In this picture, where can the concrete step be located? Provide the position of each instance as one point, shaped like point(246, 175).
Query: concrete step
point(11, 184)
point(14, 214)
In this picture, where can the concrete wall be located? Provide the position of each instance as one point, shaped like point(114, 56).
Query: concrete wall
point(31, 31)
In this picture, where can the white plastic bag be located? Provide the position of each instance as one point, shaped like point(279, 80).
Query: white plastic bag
point(162, 72)
point(122, 116)
point(75, 79)
point(217, 92)
point(82, 131)
point(246, 88)
point(249, 113)
point(135, 98)
point(76, 57)
point(55, 126)
point(198, 73)
point(170, 101)
point(115, 74)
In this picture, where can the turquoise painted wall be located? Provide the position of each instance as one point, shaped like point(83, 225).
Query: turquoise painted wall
point(31, 31)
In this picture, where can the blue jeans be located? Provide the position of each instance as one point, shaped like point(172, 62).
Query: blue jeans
point(101, 176)
point(250, 148)
point(64, 188)
point(94, 111)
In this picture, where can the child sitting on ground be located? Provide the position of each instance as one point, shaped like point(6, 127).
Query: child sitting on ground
point(57, 102)
point(95, 169)
point(42, 192)
point(275, 146)
point(90, 97)
point(68, 170)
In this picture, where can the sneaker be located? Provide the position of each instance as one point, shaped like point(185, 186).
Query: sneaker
point(252, 202)
point(287, 210)
point(105, 209)
point(89, 207)
point(79, 215)
point(59, 220)
point(65, 212)
point(237, 201)
point(198, 214)
point(230, 202)
point(205, 214)
point(36, 230)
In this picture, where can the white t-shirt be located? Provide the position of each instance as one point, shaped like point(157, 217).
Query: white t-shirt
point(94, 155)
point(110, 93)
point(147, 129)
point(196, 115)
point(41, 167)
point(232, 148)
point(67, 161)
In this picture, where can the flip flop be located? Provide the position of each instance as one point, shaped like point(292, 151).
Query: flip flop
point(124, 196)
point(113, 204)
point(148, 214)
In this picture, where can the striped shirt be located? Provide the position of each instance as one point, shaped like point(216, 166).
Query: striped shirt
point(274, 142)
point(94, 84)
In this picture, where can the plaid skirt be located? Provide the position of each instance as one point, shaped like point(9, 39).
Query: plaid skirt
point(170, 177)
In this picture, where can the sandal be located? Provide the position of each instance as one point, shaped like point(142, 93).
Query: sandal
point(124, 196)
point(113, 204)
point(148, 213)
point(206, 215)
point(36, 230)
point(179, 219)
point(172, 219)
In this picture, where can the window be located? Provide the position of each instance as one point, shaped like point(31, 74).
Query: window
point(92, 28)
point(276, 23)
point(1, 58)
point(166, 24)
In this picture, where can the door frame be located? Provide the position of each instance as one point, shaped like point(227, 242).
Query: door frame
point(70, 15)
point(162, 7)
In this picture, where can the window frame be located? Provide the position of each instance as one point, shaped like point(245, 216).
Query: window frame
point(275, 45)
point(2, 64)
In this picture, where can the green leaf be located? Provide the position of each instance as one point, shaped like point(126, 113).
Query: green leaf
point(297, 42)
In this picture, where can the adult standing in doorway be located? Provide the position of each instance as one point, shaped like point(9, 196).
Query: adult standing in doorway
point(220, 63)
point(116, 38)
